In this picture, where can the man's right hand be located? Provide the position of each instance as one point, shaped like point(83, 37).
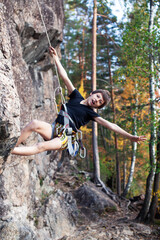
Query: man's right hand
point(53, 52)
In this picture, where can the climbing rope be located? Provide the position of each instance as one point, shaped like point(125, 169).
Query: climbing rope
point(43, 23)
point(82, 148)
point(59, 86)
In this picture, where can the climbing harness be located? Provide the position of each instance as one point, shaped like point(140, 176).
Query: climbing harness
point(71, 139)
point(74, 136)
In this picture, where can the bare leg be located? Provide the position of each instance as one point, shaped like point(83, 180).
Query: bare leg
point(54, 144)
point(43, 128)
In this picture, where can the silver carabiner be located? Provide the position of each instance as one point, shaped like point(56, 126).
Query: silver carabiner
point(82, 151)
point(76, 147)
point(79, 135)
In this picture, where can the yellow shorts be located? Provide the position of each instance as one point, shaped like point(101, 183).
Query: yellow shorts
point(60, 132)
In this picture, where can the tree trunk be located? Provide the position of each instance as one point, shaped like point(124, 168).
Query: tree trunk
point(133, 160)
point(81, 65)
point(134, 147)
point(95, 153)
point(118, 177)
point(124, 165)
point(94, 124)
point(145, 208)
point(154, 202)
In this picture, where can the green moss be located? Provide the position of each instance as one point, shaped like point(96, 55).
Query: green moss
point(45, 195)
point(56, 181)
point(41, 180)
point(111, 209)
point(157, 222)
point(36, 222)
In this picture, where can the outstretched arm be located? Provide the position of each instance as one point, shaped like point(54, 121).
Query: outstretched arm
point(119, 130)
point(61, 70)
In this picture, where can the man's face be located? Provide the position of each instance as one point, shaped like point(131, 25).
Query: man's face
point(95, 100)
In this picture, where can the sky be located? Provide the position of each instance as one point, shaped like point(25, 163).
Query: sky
point(118, 9)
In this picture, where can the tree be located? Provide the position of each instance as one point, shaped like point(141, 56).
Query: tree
point(145, 208)
point(154, 202)
point(107, 49)
point(135, 69)
point(118, 177)
point(134, 63)
point(134, 149)
point(94, 124)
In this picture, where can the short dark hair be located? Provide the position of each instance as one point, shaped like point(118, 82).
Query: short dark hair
point(106, 96)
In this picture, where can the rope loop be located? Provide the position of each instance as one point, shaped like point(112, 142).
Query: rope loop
point(56, 89)
point(59, 91)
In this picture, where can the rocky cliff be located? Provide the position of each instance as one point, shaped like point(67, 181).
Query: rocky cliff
point(30, 208)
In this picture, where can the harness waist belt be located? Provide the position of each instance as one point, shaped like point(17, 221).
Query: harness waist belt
point(67, 118)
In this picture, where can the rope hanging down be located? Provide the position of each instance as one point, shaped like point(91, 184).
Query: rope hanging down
point(71, 148)
point(43, 23)
point(59, 86)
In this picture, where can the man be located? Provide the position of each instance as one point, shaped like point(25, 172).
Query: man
point(79, 111)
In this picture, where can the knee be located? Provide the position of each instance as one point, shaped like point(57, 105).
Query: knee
point(34, 125)
point(41, 147)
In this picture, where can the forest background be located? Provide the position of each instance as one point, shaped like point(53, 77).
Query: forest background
point(128, 63)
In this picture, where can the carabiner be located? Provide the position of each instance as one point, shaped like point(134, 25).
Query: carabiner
point(82, 151)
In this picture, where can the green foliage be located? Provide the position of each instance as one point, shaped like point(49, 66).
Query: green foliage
point(41, 179)
point(127, 44)
point(78, 41)
point(56, 181)
point(107, 168)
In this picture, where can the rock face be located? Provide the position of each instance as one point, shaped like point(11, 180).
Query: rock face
point(30, 208)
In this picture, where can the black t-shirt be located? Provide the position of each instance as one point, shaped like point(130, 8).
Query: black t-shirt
point(79, 113)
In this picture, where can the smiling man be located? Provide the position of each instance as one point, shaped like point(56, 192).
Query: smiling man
point(78, 111)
